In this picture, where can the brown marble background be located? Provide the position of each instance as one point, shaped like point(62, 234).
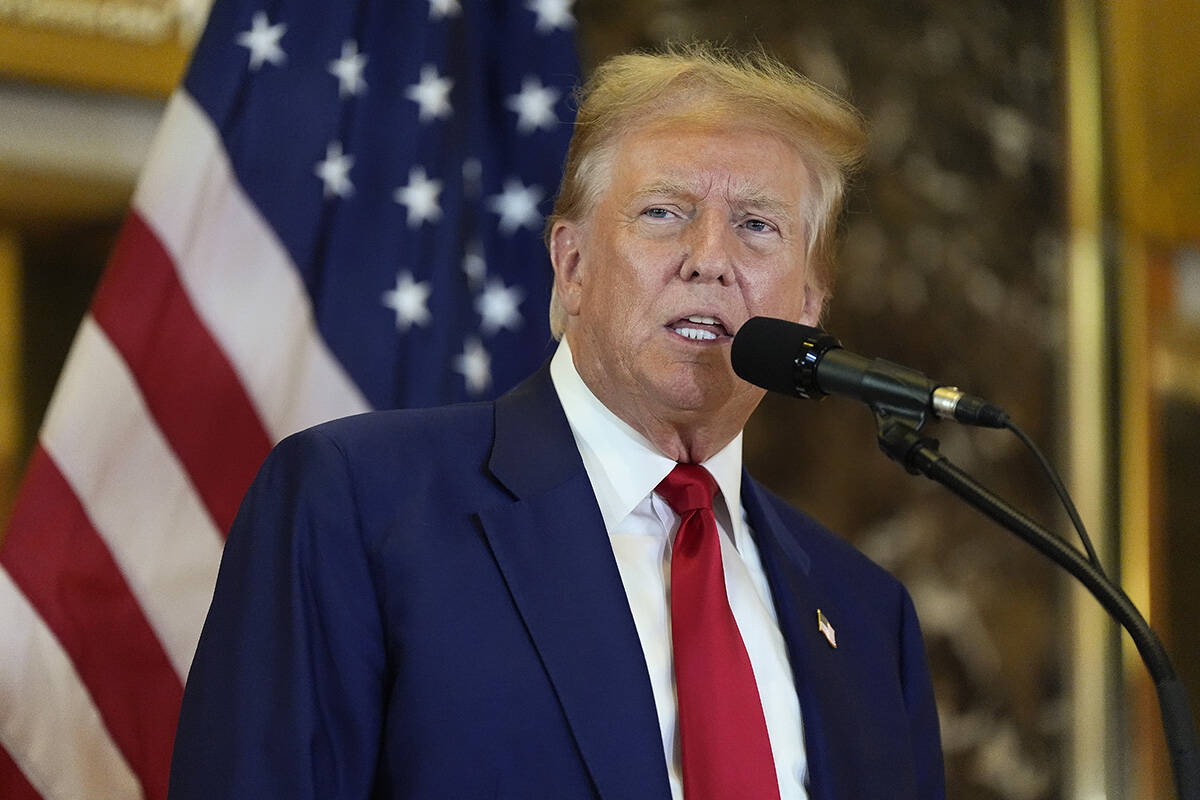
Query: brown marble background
point(952, 263)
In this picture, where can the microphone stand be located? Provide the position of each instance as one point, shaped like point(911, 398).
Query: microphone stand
point(899, 438)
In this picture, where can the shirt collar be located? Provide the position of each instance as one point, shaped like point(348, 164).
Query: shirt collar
point(622, 464)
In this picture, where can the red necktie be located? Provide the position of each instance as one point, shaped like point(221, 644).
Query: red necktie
point(722, 733)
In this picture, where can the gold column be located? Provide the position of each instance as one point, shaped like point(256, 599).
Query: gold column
point(10, 369)
point(1094, 708)
point(1146, 775)
point(1154, 90)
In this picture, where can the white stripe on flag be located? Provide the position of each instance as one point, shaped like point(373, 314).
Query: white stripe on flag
point(239, 276)
point(48, 723)
point(136, 493)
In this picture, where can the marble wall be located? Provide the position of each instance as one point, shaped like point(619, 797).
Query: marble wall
point(952, 262)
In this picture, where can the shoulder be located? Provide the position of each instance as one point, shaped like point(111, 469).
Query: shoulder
point(350, 480)
point(383, 459)
point(391, 434)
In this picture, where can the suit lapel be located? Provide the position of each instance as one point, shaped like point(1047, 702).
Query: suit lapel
point(826, 699)
point(553, 551)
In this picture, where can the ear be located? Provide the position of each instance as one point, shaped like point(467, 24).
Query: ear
point(814, 304)
point(566, 254)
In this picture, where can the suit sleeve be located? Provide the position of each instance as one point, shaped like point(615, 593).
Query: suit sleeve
point(925, 733)
point(285, 694)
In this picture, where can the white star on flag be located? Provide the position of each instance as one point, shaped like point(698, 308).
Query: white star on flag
point(431, 93)
point(552, 14)
point(334, 171)
point(348, 69)
point(497, 305)
point(473, 264)
point(475, 365)
point(410, 301)
point(420, 197)
point(263, 41)
point(534, 105)
point(517, 206)
point(440, 9)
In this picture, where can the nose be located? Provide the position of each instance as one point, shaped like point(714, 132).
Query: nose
point(709, 254)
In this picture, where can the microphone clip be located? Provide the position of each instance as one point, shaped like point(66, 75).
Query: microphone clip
point(814, 344)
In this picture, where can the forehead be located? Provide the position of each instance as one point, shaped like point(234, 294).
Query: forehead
point(739, 163)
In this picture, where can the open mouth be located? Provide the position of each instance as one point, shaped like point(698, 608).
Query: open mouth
point(700, 328)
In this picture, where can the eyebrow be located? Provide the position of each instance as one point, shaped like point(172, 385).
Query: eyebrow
point(672, 188)
point(759, 201)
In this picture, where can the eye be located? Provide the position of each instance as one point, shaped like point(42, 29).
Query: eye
point(657, 212)
point(758, 225)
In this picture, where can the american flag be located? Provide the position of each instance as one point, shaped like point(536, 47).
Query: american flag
point(341, 211)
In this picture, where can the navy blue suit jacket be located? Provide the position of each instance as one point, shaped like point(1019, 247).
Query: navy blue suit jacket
point(424, 604)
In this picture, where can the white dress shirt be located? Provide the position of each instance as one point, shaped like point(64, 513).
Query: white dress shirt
point(624, 467)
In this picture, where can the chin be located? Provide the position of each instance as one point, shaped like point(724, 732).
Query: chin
point(696, 391)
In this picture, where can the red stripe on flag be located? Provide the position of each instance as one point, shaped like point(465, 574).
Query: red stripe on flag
point(62, 565)
point(190, 387)
point(13, 783)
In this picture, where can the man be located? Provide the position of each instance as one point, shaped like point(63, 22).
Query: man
point(546, 596)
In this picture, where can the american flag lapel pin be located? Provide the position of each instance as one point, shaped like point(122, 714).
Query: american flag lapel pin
point(824, 627)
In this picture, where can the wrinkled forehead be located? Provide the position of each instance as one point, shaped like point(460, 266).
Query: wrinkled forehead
point(740, 162)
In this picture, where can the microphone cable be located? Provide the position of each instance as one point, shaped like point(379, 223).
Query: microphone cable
point(1061, 490)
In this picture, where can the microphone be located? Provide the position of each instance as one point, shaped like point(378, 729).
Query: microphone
point(802, 361)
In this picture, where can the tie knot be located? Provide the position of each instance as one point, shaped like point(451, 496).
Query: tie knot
point(687, 488)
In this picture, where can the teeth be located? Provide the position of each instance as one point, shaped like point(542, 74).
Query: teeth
point(702, 320)
point(696, 333)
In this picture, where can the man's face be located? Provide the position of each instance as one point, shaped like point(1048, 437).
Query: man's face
point(698, 230)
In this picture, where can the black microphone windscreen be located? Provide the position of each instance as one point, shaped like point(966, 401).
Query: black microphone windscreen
point(764, 352)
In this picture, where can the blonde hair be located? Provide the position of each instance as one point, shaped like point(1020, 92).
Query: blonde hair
point(709, 85)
